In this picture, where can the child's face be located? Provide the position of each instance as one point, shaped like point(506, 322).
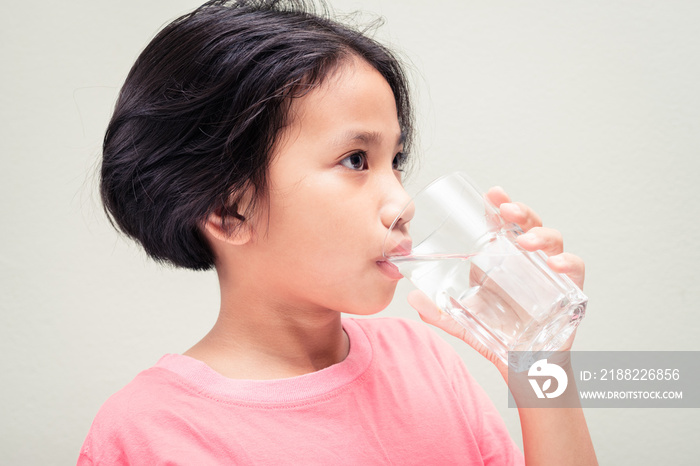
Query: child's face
point(334, 191)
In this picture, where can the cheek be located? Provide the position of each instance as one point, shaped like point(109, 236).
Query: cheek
point(325, 255)
point(321, 214)
point(321, 239)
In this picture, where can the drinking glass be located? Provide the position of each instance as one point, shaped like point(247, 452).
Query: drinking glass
point(463, 255)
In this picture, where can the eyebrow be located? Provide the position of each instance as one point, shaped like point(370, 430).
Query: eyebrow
point(367, 137)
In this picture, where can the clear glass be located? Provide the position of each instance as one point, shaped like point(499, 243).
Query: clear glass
point(465, 258)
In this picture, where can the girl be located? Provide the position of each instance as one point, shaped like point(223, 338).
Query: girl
point(268, 142)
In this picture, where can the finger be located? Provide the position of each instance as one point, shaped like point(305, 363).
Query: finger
point(497, 196)
point(570, 265)
point(431, 314)
point(548, 240)
point(521, 215)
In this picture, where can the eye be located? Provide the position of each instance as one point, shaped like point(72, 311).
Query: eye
point(356, 161)
point(399, 161)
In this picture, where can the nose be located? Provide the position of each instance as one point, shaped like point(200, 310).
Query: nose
point(397, 209)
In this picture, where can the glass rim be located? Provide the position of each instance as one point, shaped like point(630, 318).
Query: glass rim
point(420, 192)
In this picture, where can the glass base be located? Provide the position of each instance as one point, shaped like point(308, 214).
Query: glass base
point(537, 340)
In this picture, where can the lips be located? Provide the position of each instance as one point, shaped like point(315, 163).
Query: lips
point(401, 247)
point(390, 270)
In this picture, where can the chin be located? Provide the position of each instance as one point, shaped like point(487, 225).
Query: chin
point(371, 304)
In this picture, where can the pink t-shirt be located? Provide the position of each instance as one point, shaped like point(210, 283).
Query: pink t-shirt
point(402, 396)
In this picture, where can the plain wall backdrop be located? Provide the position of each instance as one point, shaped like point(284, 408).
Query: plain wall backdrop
point(589, 111)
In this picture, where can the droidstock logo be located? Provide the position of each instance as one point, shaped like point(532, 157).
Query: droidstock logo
point(542, 369)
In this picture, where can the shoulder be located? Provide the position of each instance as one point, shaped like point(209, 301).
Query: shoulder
point(395, 327)
point(429, 359)
point(411, 342)
point(405, 334)
point(418, 348)
point(124, 421)
point(146, 392)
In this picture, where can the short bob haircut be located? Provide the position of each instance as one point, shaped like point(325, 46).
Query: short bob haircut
point(199, 113)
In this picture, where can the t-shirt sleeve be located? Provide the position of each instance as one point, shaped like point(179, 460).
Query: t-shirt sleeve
point(495, 443)
point(129, 422)
point(84, 458)
point(101, 446)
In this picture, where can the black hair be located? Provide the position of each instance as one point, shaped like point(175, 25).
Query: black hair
point(199, 112)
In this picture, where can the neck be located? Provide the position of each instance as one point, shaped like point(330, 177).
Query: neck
point(259, 337)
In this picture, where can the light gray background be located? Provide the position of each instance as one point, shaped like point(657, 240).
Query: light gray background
point(587, 110)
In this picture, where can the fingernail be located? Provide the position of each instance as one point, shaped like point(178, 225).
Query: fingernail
point(529, 237)
point(514, 208)
point(557, 261)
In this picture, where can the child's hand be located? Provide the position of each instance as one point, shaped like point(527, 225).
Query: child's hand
point(536, 237)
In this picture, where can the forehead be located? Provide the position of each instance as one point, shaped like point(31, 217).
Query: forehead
point(354, 103)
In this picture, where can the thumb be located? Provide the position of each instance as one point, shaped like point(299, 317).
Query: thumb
point(431, 314)
point(427, 309)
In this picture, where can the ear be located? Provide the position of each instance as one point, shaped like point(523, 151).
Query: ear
point(233, 231)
